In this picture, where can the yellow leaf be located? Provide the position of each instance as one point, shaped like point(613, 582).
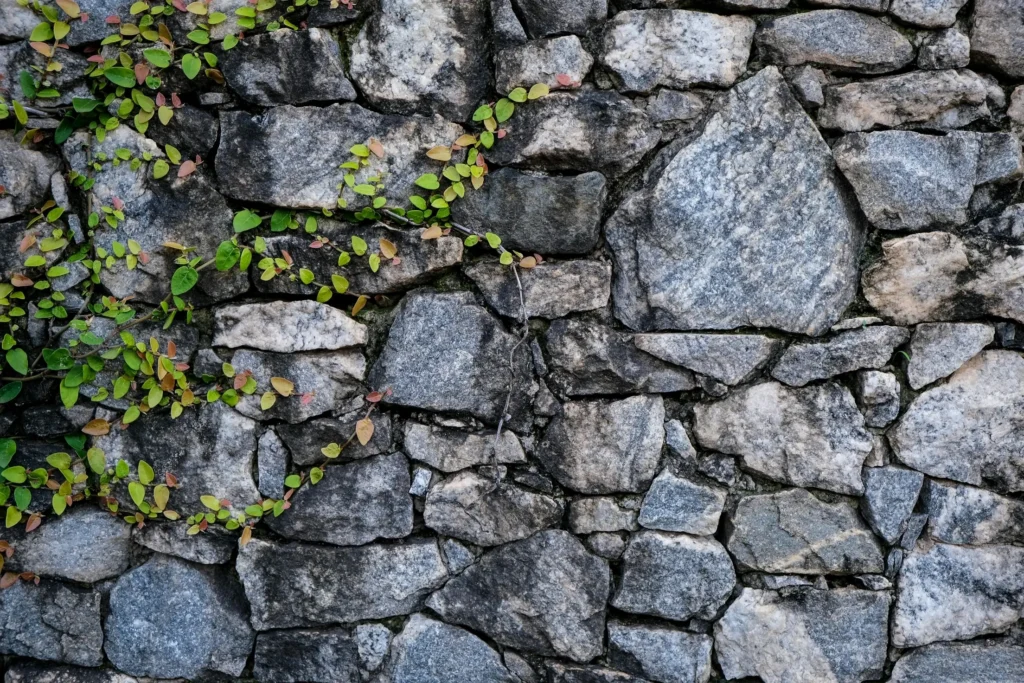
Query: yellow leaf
point(161, 496)
point(196, 8)
point(440, 153)
point(537, 91)
point(528, 262)
point(246, 536)
point(466, 140)
point(282, 386)
point(70, 8)
point(268, 400)
point(432, 233)
point(364, 430)
point(359, 304)
point(388, 248)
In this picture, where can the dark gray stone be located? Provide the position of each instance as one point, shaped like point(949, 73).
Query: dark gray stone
point(84, 544)
point(870, 347)
point(306, 655)
point(569, 673)
point(209, 547)
point(431, 651)
point(29, 671)
point(551, 17)
point(675, 503)
point(728, 358)
point(550, 290)
point(51, 621)
point(541, 61)
point(938, 350)
point(979, 662)
point(971, 516)
point(272, 464)
point(304, 440)
point(25, 175)
point(451, 450)
point(70, 81)
point(997, 37)
point(192, 131)
point(890, 494)
point(659, 654)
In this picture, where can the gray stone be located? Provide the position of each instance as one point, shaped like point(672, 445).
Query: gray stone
point(675, 503)
point(193, 131)
point(1008, 225)
point(24, 174)
point(834, 39)
point(424, 56)
point(793, 532)
point(84, 544)
point(605, 447)
point(807, 83)
point(997, 37)
point(416, 656)
point(915, 525)
point(170, 618)
point(970, 428)
point(551, 17)
point(602, 514)
point(421, 480)
point(286, 327)
point(304, 440)
point(541, 61)
point(588, 358)
point(804, 635)
point(890, 494)
point(922, 99)
point(550, 290)
point(16, 21)
point(878, 394)
point(288, 156)
point(670, 106)
point(728, 358)
point(272, 464)
point(470, 507)
point(569, 673)
point(948, 49)
point(12, 259)
point(938, 350)
point(759, 166)
point(299, 584)
point(209, 547)
point(965, 515)
point(475, 378)
point(507, 28)
point(678, 441)
point(676, 48)
point(660, 654)
point(29, 671)
point(873, 6)
point(324, 14)
point(210, 450)
point(49, 421)
point(935, 276)
point(870, 347)
point(674, 576)
point(327, 378)
point(372, 642)
point(457, 556)
point(927, 13)
point(550, 215)
point(69, 82)
point(585, 131)
point(306, 655)
point(51, 621)
point(606, 544)
point(451, 450)
point(949, 592)
point(813, 436)
point(981, 662)
point(543, 595)
point(355, 503)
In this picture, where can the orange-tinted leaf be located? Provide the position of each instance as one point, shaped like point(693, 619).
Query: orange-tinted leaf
point(376, 148)
point(431, 233)
point(171, 480)
point(282, 386)
point(359, 304)
point(364, 430)
point(97, 427)
point(246, 536)
point(70, 8)
point(8, 580)
point(141, 71)
point(388, 248)
point(19, 280)
point(34, 520)
point(26, 243)
point(44, 49)
point(466, 140)
point(374, 397)
point(172, 349)
point(186, 169)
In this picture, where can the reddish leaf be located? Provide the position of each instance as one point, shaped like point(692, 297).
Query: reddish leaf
point(26, 242)
point(96, 59)
point(160, 99)
point(141, 71)
point(33, 522)
point(241, 379)
point(175, 100)
point(113, 19)
point(19, 280)
point(8, 580)
point(316, 245)
point(306, 398)
point(564, 79)
point(171, 480)
point(287, 257)
point(118, 204)
point(172, 349)
point(143, 258)
point(84, 17)
point(179, 5)
point(186, 169)
point(374, 397)
point(502, 133)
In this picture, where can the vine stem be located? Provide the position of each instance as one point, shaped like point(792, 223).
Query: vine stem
point(461, 228)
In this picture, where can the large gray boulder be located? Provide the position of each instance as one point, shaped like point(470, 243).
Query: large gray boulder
point(789, 257)
point(812, 436)
point(971, 516)
point(980, 662)
point(868, 347)
point(938, 350)
point(24, 173)
point(295, 655)
point(53, 622)
point(286, 327)
point(543, 595)
point(415, 656)
point(170, 618)
point(997, 37)
point(728, 358)
point(660, 654)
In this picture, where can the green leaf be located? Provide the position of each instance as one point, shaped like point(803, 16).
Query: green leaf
point(119, 75)
point(58, 359)
point(323, 295)
point(293, 481)
point(518, 95)
point(428, 181)
point(254, 511)
point(146, 473)
point(173, 154)
point(9, 392)
point(161, 59)
point(131, 415)
point(358, 245)
point(97, 460)
point(15, 475)
point(374, 262)
point(22, 498)
point(360, 151)
point(506, 258)
point(471, 241)
point(331, 450)
point(503, 110)
point(8, 448)
point(537, 91)
point(487, 139)
point(493, 240)
point(227, 255)
point(340, 284)
point(28, 84)
point(419, 202)
point(13, 516)
point(84, 105)
point(60, 504)
point(198, 36)
point(190, 65)
point(68, 394)
point(280, 219)
point(18, 360)
point(184, 279)
point(137, 491)
point(41, 33)
point(365, 190)
point(160, 169)
point(210, 502)
point(246, 220)
point(60, 461)
point(483, 113)
point(230, 41)
point(315, 475)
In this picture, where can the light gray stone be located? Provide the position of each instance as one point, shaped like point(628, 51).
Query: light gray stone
point(25, 172)
point(605, 447)
point(372, 642)
point(965, 515)
point(551, 17)
point(170, 618)
point(982, 662)
point(84, 544)
point(927, 13)
point(890, 494)
point(804, 635)
point(997, 37)
point(761, 167)
point(937, 350)
point(286, 327)
point(813, 436)
point(51, 621)
point(451, 450)
point(949, 592)
point(306, 655)
point(807, 83)
point(835, 39)
point(948, 49)
point(675, 503)
point(209, 547)
point(602, 514)
point(660, 654)
point(550, 290)
point(870, 347)
point(607, 544)
point(421, 480)
point(69, 82)
point(674, 576)
point(457, 556)
point(16, 21)
point(431, 651)
point(568, 673)
point(272, 464)
point(541, 61)
point(878, 394)
point(728, 358)
point(670, 106)
point(29, 671)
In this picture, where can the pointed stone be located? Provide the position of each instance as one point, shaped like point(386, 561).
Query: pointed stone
point(286, 327)
point(728, 358)
point(890, 494)
point(870, 347)
point(938, 350)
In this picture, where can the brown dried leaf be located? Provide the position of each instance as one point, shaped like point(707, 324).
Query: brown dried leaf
point(376, 148)
point(246, 536)
point(282, 386)
point(388, 248)
point(440, 153)
point(364, 430)
point(431, 233)
point(97, 427)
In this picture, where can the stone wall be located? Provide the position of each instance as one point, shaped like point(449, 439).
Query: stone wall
point(758, 413)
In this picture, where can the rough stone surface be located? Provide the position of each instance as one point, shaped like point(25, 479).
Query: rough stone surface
point(550, 290)
point(451, 450)
point(545, 18)
point(997, 36)
point(813, 436)
point(927, 13)
point(85, 544)
point(465, 658)
point(25, 175)
point(543, 595)
point(306, 655)
point(878, 394)
point(305, 440)
point(966, 515)
point(602, 514)
point(938, 350)
point(728, 358)
point(541, 61)
point(675, 503)
point(890, 494)
point(286, 327)
point(983, 662)
point(948, 49)
point(173, 539)
point(271, 464)
point(660, 654)
point(53, 622)
point(870, 347)
point(804, 636)
point(27, 671)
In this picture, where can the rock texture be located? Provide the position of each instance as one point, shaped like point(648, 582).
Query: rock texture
point(960, 663)
point(870, 347)
point(286, 327)
point(938, 350)
point(52, 622)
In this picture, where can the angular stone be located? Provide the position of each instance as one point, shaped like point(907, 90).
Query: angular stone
point(373, 642)
point(16, 22)
point(878, 395)
point(24, 173)
point(541, 61)
point(949, 49)
point(934, 276)
point(675, 503)
point(29, 671)
point(672, 106)
point(585, 131)
point(676, 48)
point(997, 36)
point(304, 440)
point(84, 544)
point(551, 290)
point(355, 503)
point(209, 547)
point(69, 82)
point(674, 576)
point(949, 592)
point(568, 673)
point(427, 56)
point(812, 436)
point(602, 514)
point(286, 327)
point(793, 532)
point(451, 450)
point(209, 450)
point(31, 454)
point(193, 131)
point(51, 621)
point(804, 635)
point(299, 584)
point(965, 515)
point(834, 39)
point(173, 618)
point(938, 350)
point(969, 429)
point(608, 545)
point(301, 655)
point(983, 662)
point(272, 464)
point(467, 659)
point(890, 494)
point(543, 595)
point(477, 346)
point(549, 215)
point(289, 156)
point(659, 654)
point(922, 99)
point(605, 447)
point(870, 347)
point(728, 358)
point(287, 67)
point(927, 13)
point(550, 17)
point(328, 377)
point(760, 167)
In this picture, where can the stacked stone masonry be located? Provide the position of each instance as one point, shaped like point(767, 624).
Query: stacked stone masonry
point(768, 423)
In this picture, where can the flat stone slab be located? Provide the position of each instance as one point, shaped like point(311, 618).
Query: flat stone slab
point(286, 327)
point(869, 347)
point(728, 358)
point(961, 663)
point(550, 290)
point(53, 622)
